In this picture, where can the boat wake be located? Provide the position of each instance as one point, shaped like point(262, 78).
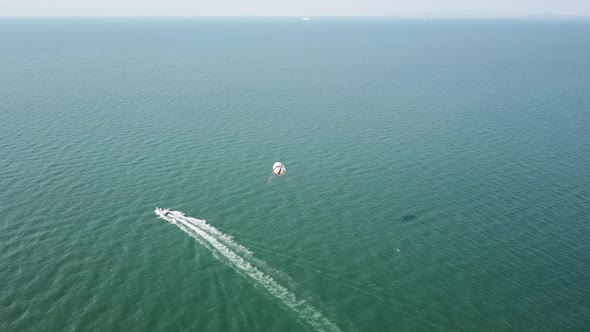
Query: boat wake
point(224, 248)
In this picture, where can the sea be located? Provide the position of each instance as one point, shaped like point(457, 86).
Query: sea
point(438, 174)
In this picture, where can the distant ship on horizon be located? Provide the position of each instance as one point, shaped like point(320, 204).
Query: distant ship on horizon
point(305, 18)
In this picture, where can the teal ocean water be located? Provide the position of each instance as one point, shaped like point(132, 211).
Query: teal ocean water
point(438, 175)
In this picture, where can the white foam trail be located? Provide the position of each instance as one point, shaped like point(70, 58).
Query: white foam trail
point(226, 239)
point(221, 245)
point(229, 242)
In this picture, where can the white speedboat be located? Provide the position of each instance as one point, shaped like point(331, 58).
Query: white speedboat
point(162, 212)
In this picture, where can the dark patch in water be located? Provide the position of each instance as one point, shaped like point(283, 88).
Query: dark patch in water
point(409, 217)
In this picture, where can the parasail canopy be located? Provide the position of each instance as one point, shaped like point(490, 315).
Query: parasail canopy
point(278, 169)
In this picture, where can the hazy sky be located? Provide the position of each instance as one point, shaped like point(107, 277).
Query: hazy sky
point(421, 8)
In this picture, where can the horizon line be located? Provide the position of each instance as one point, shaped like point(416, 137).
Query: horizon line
point(386, 16)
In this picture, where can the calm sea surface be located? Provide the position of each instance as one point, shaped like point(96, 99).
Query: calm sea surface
point(438, 175)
